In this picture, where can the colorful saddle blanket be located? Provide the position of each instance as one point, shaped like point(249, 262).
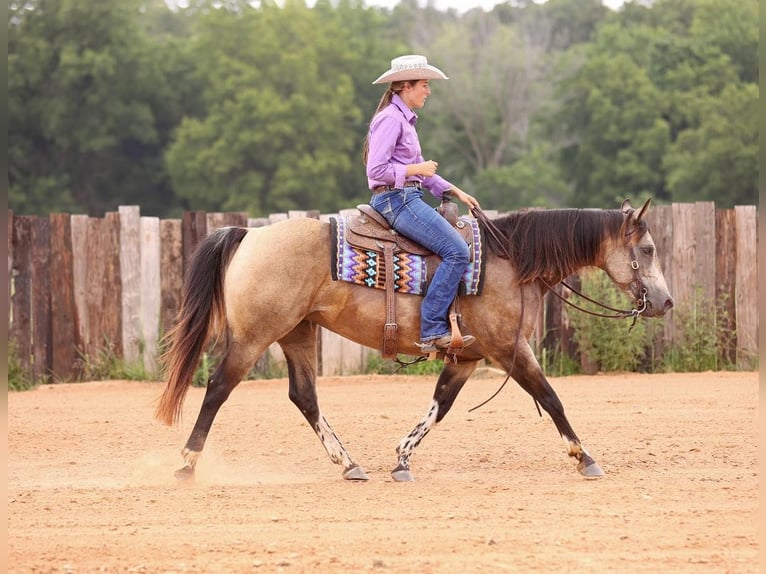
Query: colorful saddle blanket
point(412, 272)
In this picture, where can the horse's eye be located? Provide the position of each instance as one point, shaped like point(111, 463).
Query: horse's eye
point(648, 250)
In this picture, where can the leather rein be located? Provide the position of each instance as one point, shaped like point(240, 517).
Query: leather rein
point(615, 313)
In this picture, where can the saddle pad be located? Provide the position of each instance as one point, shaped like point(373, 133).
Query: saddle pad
point(411, 272)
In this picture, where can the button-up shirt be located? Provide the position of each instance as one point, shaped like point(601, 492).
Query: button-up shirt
point(393, 145)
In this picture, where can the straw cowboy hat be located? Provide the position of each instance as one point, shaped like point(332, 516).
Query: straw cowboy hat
point(411, 67)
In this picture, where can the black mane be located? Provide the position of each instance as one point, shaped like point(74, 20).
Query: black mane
point(551, 243)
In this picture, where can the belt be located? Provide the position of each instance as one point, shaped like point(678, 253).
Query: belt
point(384, 188)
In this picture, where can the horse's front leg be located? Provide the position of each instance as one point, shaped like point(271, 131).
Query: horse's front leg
point(451, 380)
point(300, 351)
point(526, 371)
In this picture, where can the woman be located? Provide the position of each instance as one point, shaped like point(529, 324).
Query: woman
point(397, 175)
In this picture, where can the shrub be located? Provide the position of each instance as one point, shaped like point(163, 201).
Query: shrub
point(18, 378)
point(609, 343)
point(704, 337)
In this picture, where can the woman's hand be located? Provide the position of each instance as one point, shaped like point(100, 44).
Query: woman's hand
point(463, 197)
point(426, 169)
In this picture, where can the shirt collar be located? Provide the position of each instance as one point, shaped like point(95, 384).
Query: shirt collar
point(408, 114)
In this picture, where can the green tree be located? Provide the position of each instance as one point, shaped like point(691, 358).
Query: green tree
point(280, 115)
point(90, 108)
point(618, 132)
point(663, 105)
point(717, 160)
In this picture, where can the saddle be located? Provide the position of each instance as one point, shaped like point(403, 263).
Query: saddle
point(370, 231)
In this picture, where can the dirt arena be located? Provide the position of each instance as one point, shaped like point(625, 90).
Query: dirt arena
point(91, 486)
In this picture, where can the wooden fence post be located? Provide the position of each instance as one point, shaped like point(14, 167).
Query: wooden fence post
point(104, 288)
point(41, 299)
point(705, 251)
point(660, 220)
point(9, 231)
point(21, 300)
point(63, 311)
point(151, 299)
point(130, 281)
point(80, 230)
point(725, 279)
point(193, 230)
point(171, 271)
point(684, 265)
point(746, 290)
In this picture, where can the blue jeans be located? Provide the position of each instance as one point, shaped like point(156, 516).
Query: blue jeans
point(407, 212)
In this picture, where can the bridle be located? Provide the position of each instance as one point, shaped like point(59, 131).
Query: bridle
point(641, 302)
point(617, 313)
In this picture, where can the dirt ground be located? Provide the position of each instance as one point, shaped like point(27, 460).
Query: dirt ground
point(91, 486)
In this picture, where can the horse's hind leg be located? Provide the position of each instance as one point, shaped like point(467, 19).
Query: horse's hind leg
point(526, 371)
point(236, 363)
point(300, 350)
point(451, 380)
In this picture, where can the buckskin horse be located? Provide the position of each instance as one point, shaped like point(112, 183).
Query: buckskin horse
point(258, 286)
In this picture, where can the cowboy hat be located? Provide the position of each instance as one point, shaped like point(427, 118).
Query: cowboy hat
point(410, 67)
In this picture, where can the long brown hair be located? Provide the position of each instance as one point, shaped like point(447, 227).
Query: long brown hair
point(385, 99)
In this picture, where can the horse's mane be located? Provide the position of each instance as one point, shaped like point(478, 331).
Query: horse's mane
point(550, 243)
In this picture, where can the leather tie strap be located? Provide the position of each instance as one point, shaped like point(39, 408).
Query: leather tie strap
point(389, 330)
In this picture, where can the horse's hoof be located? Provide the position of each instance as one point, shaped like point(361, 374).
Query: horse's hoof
point(184, 473)
point(355, 472)
point(402, 475)
point(592, 470)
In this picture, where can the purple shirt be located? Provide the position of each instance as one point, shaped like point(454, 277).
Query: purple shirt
point(393, 145)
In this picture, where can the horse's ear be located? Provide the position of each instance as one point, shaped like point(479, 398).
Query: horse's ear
point(643, 210)
point(626, 207)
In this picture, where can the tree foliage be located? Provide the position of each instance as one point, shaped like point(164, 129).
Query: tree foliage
point(234, 105)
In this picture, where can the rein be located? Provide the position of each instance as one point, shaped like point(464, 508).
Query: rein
point(617, 313)
point(490, 227)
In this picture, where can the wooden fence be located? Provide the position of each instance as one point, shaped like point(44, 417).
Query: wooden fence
point(80, 286)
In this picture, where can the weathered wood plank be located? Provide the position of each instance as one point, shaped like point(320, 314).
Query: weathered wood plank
point(235, 219)
point(746, 288)
point(80, 230)
point(660, 219)
point(705, 250)
point(112, 297)
point(171, 272)
point(63, 311)
point(725, 279)
point(258, 222)
point(130, 275)
point(151, 290)
point(41, 299)
point(9, 277)
point(684, 265)
point(104, 289)
point(226, 219)
point(214, 221)
point(21, 298)
point(331, 357)
point(193, 230)
point(95, 286)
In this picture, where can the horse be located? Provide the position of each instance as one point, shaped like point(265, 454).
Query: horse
point(255, 286)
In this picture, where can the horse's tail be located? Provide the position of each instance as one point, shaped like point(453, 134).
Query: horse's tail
point(202, 314)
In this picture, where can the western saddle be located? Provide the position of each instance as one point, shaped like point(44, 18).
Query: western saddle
point(370, 231)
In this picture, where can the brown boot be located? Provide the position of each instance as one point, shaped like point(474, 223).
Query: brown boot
point(442, 343)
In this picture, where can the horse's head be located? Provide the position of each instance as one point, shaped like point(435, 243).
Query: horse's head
point(631, 261)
